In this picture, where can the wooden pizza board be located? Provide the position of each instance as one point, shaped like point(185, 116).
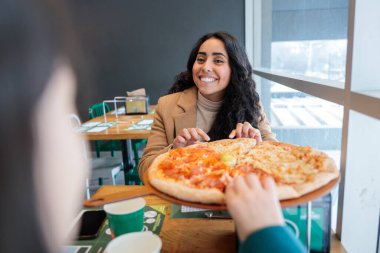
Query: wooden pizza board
point(124, 193)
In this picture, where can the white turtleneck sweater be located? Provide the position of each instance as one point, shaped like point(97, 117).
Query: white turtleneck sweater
point(206, 112)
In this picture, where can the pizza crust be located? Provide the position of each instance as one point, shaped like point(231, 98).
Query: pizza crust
point(286, 192)
point(184, 192)
point(329, 166)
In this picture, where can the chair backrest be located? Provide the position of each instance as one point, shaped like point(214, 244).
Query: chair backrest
point(96, 110)
point(74, 120)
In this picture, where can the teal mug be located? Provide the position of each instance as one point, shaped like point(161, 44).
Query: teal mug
point(125, 216)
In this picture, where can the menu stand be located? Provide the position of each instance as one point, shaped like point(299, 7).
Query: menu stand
point(118, 100)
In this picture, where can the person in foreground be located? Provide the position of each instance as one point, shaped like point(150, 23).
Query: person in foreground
point(43, 169)
point(257, 214)
point(215, 98)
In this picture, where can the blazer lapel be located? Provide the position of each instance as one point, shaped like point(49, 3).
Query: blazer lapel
point(188, 103)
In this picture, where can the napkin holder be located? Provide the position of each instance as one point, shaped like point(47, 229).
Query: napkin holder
point(137, 105)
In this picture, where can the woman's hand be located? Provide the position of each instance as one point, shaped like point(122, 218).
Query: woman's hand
point(253, 204)
point(189, 136)
point(246, 130)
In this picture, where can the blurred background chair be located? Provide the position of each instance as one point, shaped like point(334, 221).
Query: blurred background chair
point(104, 170)
point(132, 177)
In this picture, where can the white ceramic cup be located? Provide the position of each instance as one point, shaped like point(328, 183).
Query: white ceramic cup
point(138, 242)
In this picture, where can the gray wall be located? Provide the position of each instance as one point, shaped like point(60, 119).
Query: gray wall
point(145, 43)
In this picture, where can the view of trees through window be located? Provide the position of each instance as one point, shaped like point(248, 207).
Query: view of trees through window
point(325, 59)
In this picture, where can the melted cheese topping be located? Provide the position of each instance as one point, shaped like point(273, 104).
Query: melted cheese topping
point(213, 165)
point(286, 164)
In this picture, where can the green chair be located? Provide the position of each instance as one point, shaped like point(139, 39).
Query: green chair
point(136, 146)
point(96, 110)
point(132, 176)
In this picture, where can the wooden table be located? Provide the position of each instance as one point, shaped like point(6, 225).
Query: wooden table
point(188, 234)
point(196, 234)
point(120, 132)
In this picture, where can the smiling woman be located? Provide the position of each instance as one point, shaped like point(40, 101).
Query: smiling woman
point(215, 98)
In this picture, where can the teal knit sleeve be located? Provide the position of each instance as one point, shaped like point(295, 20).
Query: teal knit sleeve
point(272, 239)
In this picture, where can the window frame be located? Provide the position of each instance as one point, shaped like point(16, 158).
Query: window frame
point(366, 102)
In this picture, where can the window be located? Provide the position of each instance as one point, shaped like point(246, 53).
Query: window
point(325, 59)
point(303, 119)
point(317, 71)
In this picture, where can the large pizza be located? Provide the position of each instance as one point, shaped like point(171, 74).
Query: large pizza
point(201, 172)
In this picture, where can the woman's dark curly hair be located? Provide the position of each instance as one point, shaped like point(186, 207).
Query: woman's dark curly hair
point(241, 101)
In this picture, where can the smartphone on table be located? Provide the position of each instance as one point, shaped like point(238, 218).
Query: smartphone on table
point(90, 224)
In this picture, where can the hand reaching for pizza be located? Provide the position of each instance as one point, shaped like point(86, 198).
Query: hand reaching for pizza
point(253, 204)
point(189, 136)
point(246, 130)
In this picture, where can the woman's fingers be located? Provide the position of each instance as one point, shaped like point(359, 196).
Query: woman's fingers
point(242, 130)
point(185, 134)
point(181, 139)
point(245, 130)
point(258, 136)
point(237, 132)
point(255, 134)
point(194, 134)
point(203, 134)
point(189, 136)
point(197, 134)
point(239, 128)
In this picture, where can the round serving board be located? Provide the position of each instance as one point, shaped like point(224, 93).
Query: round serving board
point(284, 203)
point(311, 195)
point(148, 189)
